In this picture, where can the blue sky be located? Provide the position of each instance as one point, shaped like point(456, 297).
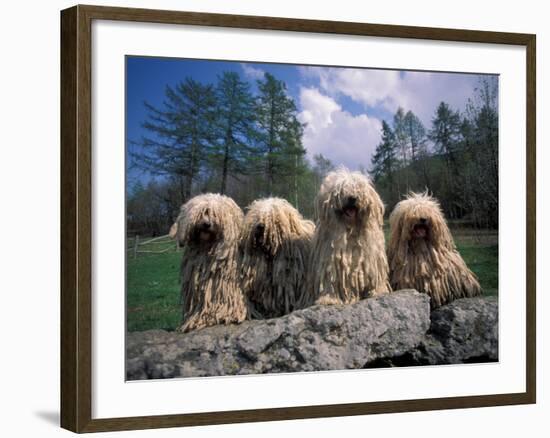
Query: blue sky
point(343, 107)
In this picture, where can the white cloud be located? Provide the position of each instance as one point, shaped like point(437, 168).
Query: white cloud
point(420, 92)
point(337, 134)
point(317, 109)
point(370, 87)
point(252, 72)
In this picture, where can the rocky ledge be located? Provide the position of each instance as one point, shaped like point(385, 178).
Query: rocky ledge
point(392, 330)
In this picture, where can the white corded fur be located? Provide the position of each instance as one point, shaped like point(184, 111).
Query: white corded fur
point(427, 259)
point(208, 228)
point(275, 247)
point(348, 259)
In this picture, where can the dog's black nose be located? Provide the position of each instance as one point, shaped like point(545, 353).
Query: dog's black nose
point(352, 200)
point(423, 220)
point(206, 225)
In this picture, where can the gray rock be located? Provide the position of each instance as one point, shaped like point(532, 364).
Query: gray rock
point(392, 330)
point(465, 331)
point(313, 339)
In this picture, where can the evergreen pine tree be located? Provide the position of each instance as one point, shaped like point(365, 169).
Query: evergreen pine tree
point(181, 131)
point(446, 137)
point(277, 125)
point(384, 162)
point(234, 127)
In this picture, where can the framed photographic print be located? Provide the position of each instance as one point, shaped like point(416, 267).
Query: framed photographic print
point(268, 218)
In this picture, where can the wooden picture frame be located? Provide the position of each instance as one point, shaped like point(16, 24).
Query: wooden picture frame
point(76, 217)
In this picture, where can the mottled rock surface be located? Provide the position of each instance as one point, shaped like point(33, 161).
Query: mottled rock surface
point(392, 330)
point(317, 338)
point(465, 331)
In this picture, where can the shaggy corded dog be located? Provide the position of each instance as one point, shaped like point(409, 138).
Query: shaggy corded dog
point(422, 253)
point(348, 259)
point(208, 228)
point(275, 248)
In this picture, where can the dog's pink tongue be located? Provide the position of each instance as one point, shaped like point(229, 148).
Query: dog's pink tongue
point(205, 235)
point(350, 212)
point(420, 232)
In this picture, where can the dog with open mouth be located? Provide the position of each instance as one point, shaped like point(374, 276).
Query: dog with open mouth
point(422, 254)
point(208, 228)
point(348, 261)
point(275, 249)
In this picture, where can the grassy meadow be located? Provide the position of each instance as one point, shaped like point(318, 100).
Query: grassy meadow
point(152, 280)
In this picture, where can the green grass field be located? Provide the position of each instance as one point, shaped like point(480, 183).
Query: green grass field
point(153, 300)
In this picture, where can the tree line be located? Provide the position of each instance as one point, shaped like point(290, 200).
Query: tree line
point(224, 138)
point(456, 158)
point(221, 138)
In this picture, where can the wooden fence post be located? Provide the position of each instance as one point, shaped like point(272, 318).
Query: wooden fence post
point(136, 244)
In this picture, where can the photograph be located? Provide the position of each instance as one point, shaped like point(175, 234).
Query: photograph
point(289, 218)
point(266, 218)
point(275, 219)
